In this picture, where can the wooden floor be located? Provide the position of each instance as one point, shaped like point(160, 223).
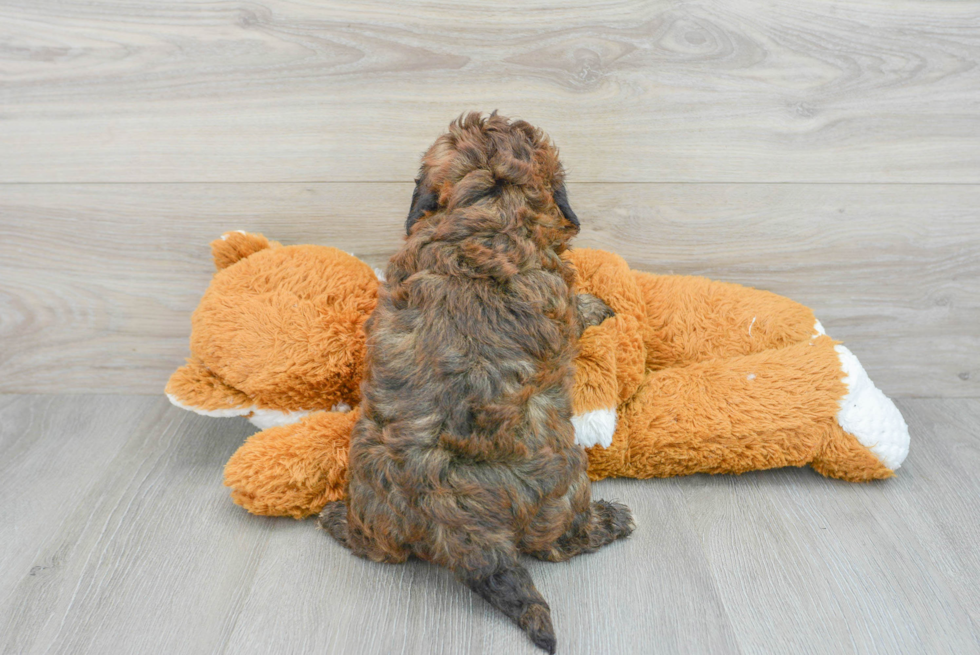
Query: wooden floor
point(116, 536)
point(827, 150)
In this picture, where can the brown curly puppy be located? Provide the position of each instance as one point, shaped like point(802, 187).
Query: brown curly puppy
point(464, 454)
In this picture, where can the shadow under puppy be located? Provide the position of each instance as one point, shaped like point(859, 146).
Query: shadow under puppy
point(464, 454)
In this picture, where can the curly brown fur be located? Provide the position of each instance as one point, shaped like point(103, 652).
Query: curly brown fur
point(464, 455)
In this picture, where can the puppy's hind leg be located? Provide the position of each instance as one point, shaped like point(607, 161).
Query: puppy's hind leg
point(508, 587)
point(333, 520)
point(603, 523)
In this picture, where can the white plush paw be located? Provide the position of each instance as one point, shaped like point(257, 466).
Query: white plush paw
point(214, 413)
point(595, 428)
point(870, 415)
point(264, 419)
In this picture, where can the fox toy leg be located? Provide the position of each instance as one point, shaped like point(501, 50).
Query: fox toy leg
point(293, 470)
point(778, 407)
point(693, 319)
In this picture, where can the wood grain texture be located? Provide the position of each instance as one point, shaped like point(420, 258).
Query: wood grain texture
point(360, 606)
point(97, 282)
point(44, 472)
point(145, 553)
point(948, 472)
point(814, 565)
point(117, 536)
point(280, 90)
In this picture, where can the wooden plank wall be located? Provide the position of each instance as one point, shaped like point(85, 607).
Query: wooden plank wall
point(827, 150)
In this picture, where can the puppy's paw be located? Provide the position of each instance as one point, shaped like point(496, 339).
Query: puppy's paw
point(333, 520)
point(615, 519)
point(592, 310)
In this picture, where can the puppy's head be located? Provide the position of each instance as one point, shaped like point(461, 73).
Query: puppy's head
point(510, 167)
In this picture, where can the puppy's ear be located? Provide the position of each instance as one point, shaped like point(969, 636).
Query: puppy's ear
point(561, 200)
point(423, 200)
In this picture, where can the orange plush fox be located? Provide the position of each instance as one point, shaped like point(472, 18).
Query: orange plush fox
point(690, 376)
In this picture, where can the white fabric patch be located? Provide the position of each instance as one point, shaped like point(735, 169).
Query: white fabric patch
point(595, 428)
point(870, 415)
point(270, 418)
point(260, 418)
point(215, 413)
point(264, 419)
point(818, 328)
point(224, 237)
point(380, 274)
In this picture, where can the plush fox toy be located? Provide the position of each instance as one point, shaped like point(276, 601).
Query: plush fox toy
point(690, 376)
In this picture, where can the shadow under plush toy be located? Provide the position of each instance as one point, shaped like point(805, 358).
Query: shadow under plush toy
point(690, 376)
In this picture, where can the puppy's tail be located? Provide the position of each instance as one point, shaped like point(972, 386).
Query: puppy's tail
point(510, 589)
point(333, 519)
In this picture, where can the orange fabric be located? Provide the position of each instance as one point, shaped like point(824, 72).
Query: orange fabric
point(844, 458)
point(285, 326)
point(611, 363)
point(233, 246)
point(196, 386)
point(693, 319)
point(705, 376)
point(293, 470)
point(763, 410)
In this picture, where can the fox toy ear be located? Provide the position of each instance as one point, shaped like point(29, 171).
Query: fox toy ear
point(561, 200)
point(424, 200)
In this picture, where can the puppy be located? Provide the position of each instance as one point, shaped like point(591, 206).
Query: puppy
point(464, 454)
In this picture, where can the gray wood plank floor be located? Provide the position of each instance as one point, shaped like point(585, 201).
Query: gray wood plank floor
point(116, 536)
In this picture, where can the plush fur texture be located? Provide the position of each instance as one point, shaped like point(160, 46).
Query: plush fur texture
point(464, 454)
point(245, 356)
point(744, 372)
point(732, 379)
point(281, 474)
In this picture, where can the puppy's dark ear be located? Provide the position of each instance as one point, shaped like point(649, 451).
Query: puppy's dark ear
point(561, 199)
point(423, 200)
